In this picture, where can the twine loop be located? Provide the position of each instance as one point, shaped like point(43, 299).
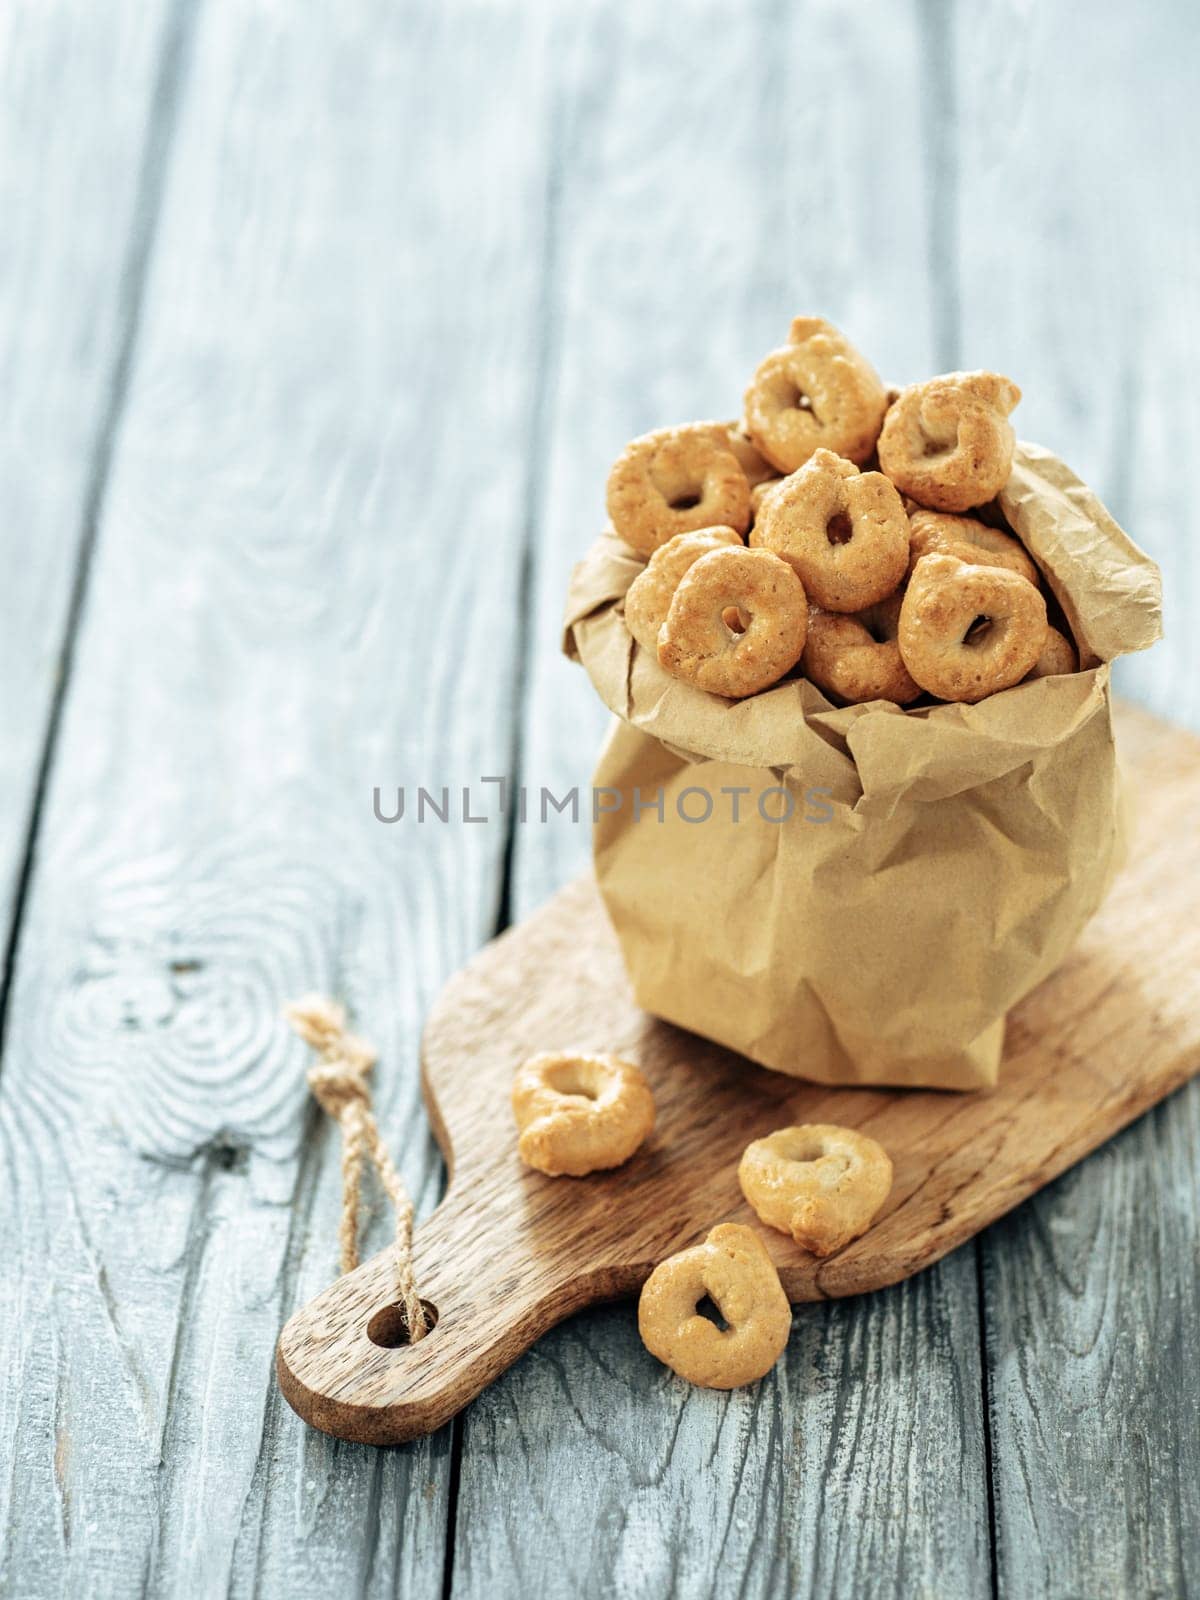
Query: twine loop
point(339, 1081)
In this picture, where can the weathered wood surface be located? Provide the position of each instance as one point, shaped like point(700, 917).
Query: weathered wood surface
point(820, 1482)
point(306, 583)
point(80, 177)
point(1076, 254)
point(509, 1252)
point(435, 255)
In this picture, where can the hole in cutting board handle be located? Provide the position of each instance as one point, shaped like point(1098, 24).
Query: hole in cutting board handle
point(389, 1326)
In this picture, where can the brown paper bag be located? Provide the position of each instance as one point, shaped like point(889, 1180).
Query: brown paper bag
point(859, 895)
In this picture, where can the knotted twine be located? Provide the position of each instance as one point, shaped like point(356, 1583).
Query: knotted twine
point(339, 1085)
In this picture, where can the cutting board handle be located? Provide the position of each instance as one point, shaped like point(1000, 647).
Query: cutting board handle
point(344, 1362)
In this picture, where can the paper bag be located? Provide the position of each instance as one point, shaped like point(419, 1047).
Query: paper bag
point(860, 895)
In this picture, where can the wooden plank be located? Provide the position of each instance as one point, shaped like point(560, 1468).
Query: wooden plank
point(1077, 262)
point(1093, 1331)
point(717, 178)
point(1077, 269)
point(306, 585)
point(78, 185)
point(816, 1481)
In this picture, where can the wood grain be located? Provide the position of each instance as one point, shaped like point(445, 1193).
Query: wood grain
point(77, 191)
point(1092, 1314)
point(510, 1252)
point(688, 237)
point(640, 1484)
point(1104, 354)
point(1092, 1320)
point(603, 232)
point(304, 586)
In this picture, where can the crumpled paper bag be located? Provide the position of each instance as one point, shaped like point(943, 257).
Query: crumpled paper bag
point(894, 881)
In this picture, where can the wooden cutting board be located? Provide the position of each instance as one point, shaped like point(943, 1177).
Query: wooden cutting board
point(509, 1252)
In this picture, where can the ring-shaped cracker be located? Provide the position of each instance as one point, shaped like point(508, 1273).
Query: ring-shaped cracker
point(733, 1270)
point(948, 442)
point(580, 1113)
point(845, 532)
point(697, 641)
point(822, 1184)
point(856, 658)
point(751, 460)
point(967, 631)
point(676, 480)
point(942, 533)
point(815, 392)
point(759, 496)
point(649, 596)
point(1058, 657)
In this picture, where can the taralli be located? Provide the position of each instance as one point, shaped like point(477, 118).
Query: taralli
point(700, 640)
point(967, 631)
point(733, 1270)
point(845, 532)
point(948, 442)
point(649, 596)
point(816, 392)
point(675, 481)
point(857, 658)
point(760, 494)
point(822, 1184)
point(580, 1113)
point(756, 467)
point(1058, 657)
point(941, 533)
point(720, 509)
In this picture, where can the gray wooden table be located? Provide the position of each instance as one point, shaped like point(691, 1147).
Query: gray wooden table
point(319, 326)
